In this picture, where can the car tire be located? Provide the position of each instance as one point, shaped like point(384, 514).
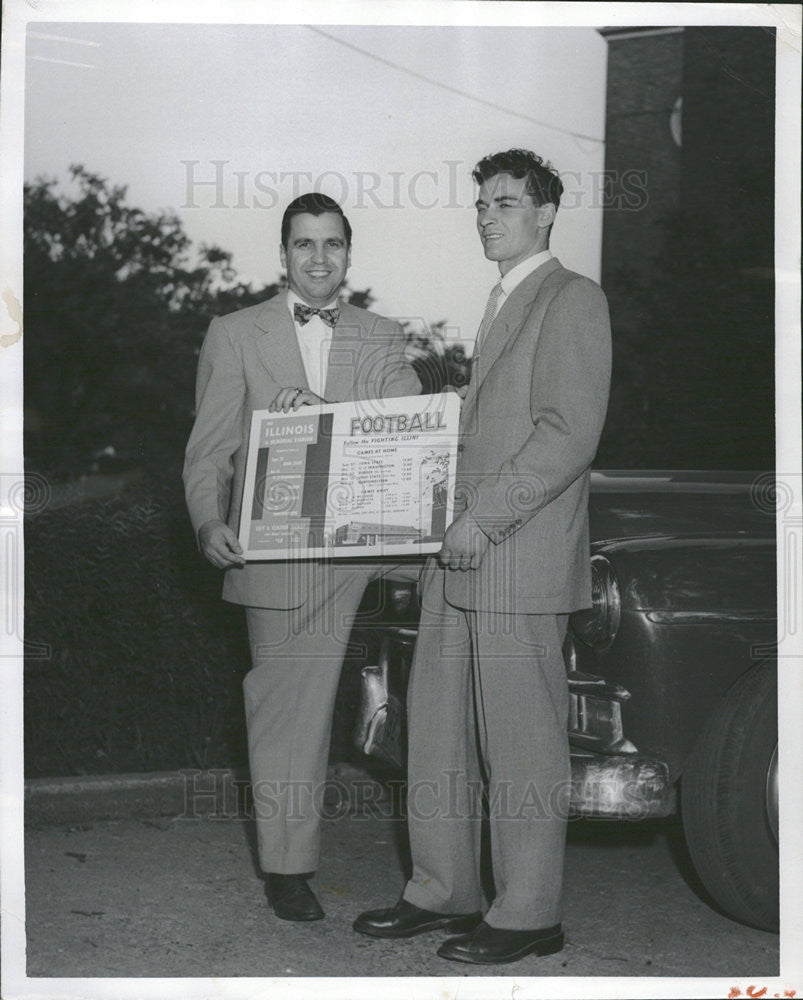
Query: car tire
point(729, 801)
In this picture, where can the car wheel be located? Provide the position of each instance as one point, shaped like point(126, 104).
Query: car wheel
point(729, 800)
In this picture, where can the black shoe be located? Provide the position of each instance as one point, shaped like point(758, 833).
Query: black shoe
point(291, 898)
point(488, 945)
point(405, 920)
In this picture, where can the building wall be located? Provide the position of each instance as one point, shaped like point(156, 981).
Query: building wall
point(689, 269)
point(729, 134)
point(645, 79)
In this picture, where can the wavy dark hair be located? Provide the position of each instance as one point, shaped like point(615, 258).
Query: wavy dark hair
point(543, 182)
point(313, 203)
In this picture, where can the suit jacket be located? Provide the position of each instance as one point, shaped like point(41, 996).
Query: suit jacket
point(530, 426)
point(246, 358)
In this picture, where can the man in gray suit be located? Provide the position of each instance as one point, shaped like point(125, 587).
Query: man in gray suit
point(488, 698)
point(299, 348)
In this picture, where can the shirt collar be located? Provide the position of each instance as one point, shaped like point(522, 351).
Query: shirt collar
point(518, 273)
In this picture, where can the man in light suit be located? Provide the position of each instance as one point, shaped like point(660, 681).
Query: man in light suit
point(488, 698)
point(300, 348)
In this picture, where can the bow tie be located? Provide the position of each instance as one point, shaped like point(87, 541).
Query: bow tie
point(303, 314)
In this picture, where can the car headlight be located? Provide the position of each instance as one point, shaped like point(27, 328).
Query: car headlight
point(597, 626)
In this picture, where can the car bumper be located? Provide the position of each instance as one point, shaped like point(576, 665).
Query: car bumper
point(620, 787)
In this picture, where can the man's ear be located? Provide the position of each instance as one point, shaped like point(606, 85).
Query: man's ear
point(282, 255)
point(546, 214)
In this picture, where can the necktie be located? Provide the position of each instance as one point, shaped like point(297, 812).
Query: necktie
point(488, 317)
point(303, 314)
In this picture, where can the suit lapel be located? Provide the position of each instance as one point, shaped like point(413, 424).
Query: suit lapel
point(508, 322)
point(277, 344)
point(347, 337)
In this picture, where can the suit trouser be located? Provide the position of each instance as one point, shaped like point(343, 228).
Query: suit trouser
point(487, 703)
point(290, 692)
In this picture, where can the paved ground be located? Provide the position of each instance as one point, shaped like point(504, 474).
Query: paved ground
point(181, 897)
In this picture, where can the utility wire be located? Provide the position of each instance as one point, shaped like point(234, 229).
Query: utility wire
point(453, 90)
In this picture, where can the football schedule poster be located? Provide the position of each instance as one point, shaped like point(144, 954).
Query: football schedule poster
point(364, 478)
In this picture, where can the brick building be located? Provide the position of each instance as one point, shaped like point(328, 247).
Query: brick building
point(688, 237)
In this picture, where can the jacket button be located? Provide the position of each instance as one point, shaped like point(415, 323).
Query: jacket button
point(460, 447)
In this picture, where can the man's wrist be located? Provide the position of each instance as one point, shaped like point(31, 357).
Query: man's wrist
point(206, 527)
point(487, 531)
point(212, 520)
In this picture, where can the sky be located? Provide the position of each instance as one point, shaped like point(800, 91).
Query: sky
point(225, 124)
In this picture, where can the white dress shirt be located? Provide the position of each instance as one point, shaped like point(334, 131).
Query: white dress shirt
point(314, 342)
point(517, 274)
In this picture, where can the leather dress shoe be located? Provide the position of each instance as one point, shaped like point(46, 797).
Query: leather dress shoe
point(405, 920)
point(488, 945)
point(291, 898)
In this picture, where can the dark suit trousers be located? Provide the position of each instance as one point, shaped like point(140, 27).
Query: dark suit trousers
point(488, 705)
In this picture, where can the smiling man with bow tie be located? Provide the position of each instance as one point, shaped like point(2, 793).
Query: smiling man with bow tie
point(300, 348)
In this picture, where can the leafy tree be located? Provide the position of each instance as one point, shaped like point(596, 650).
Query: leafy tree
point(117, 301)
point(115, 307)
point(437, 362)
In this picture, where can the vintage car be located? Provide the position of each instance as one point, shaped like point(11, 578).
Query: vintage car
point(672, 673)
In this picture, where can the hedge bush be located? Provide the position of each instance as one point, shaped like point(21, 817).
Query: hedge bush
point(145, 661)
